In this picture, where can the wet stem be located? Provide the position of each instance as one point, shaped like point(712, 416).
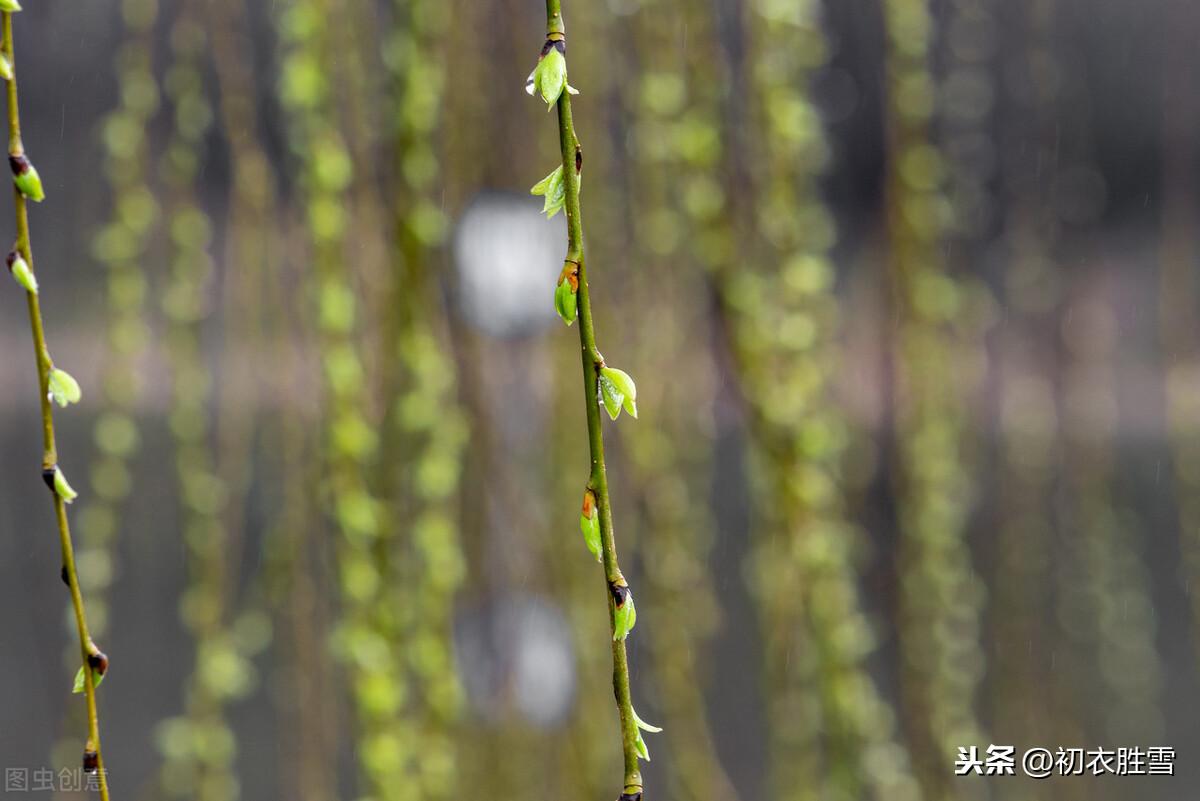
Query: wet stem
point(572, 164)
point(92, 754)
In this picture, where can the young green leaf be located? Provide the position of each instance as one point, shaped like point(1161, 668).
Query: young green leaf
point(610, 396)
point(97, 677)
point(554, 189)
point(642, 750)
point(6, 70)
point(543, 186)
point(624, 386)
point(589, 523)
point(21, 273)
point(61, 486)
point(641, 724)
point(64, 389)
point(26, 177)
point(565, 301)
point(549, 77)
point(9, 6)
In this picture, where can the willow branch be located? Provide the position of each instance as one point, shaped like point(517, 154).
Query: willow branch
point(90, 657)
point(572, 164)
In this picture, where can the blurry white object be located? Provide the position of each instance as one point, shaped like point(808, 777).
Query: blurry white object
point(516, 656)
point(508, 257)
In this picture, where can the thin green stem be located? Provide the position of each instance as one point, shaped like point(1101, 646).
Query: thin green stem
point(572, 162)
point(49, 450)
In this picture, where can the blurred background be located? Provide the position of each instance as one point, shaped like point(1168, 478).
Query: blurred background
point(910, 293)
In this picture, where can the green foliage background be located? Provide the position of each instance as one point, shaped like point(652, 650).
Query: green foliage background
point(909, 293)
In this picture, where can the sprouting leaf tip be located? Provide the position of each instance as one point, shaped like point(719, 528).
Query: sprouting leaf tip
point(97, 677)
point(62, 488)
point(618, 392)
point(63, 387)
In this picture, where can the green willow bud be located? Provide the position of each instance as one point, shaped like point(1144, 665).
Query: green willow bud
point(549, 77)
point(26, 177)
point(589, 523)
point(617, 391)
point(64, 389)
point(6, 70)
point(21, 273)
point(624, 612)
point(566, 301)
point(9, 6)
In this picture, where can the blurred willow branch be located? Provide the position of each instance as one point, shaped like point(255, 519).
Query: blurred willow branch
point(365, 637)
point(547, 79)
point(255, 300)
point(200, 747)
point(784, 323)
point(424, 420)
point(1030, 444)
point(53, 384)
point(941, 596)
point(672, 216)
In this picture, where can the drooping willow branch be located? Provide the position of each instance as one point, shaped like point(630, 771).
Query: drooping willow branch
point(782, 314)
point(1029, 441)
point(424, 421)
point(941, 595)
point(257, 296)
point(601, 384)
point(54, 385)
point(199, 746)
point(311, 92)
point(670, 102)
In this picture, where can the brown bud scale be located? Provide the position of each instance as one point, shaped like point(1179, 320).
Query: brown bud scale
point(620, 593)
point(98, 661)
